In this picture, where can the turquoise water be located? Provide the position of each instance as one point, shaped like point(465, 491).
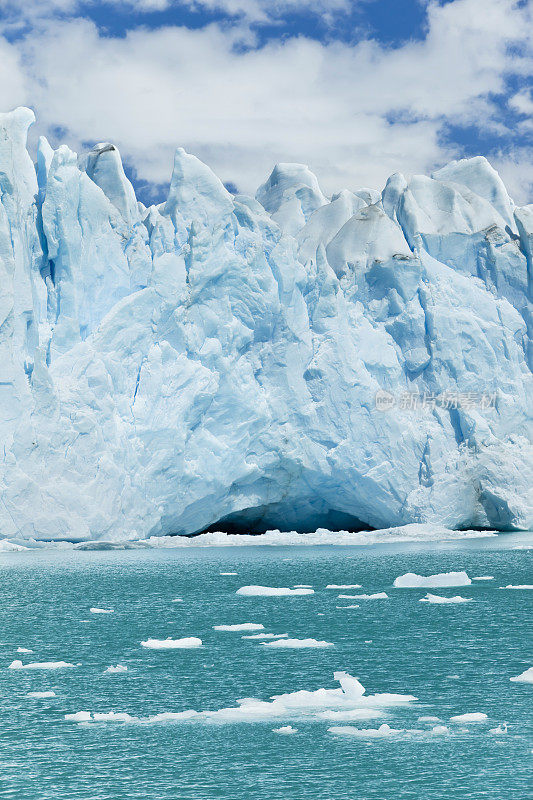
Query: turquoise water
point(453, 658)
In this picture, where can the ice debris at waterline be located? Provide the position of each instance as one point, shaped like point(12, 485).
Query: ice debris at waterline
point(247, 363)
point(318, 704)
point(272, 591)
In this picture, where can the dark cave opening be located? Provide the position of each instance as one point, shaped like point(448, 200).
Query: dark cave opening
point(302, 518)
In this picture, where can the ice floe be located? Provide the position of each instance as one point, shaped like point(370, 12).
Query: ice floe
point(351, 695)
point(116, 670)
point(245, 626)
point(429, 719)
point(177, 600)
point(172, 644)
point(484, 578)
point(101, 611)
point(41, 665)
point(271, 591)
point(343, 586)
point(228, 573)
point(351, 606)
point(302, 586)
point(438, 600)
point(442, 580)
point(475, 716)
point(23, 650)
point(518, 586)
point(266, 636)
point(375, 596)
point(285, 730)
point(297, 643)
point(524, 677)
point(41, 695)
point(371, 733)
point(440, 729)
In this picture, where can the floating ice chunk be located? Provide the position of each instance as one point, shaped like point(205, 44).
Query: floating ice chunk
point(429, 719)
point(245, 626)
point(350, 697)
point(439, 730)
point(524, 677)
point(302, 586)
point(271, 591)
point(177, 600)
point(343, 586)
point(372, 733)
point(228, 573)
point(41, 665)
point(101, 611)
point(484, 578)
point(41, 695)
point(519, 586)
point(352, 606)
point(23, 650)
point(476, 716)
point(266, 636)
point(436, 598)
point(285, 730)
point(375, 596)
point(445, 579)
point(186, 643)
point(116, 670)
point(297, 643)
point(79, 716)
point(502, 728)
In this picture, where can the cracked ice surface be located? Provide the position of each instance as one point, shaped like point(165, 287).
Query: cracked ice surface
point(218, 358)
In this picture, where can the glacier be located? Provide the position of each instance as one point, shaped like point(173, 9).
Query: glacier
point(290, 360)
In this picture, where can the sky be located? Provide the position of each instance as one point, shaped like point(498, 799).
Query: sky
point(355, 89)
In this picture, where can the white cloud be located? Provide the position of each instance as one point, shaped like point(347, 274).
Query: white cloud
point(353, 113)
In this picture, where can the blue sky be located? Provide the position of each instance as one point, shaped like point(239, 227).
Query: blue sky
point(356, 89)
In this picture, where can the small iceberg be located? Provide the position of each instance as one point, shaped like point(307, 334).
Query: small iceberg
point(116, 670)
point(475, 716)
point(436, 598)
point(297, 643)
point(246, 626)
point(501, 729)
point(227, 573)
point(439, 730)
point(188, 642)
point(266, 636)
point(271, 591)
point(41, 695)
point(101, 611)
point(442, 580)
point(375, 596)
point(285, 730)
point(41, 665)
point(524, 677)
point(23, 650)
point(484, 578)
point(351, 606)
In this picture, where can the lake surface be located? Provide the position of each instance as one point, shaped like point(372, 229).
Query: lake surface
point(455, 658)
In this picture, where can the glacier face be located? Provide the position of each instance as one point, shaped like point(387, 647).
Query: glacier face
point(287, 361)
